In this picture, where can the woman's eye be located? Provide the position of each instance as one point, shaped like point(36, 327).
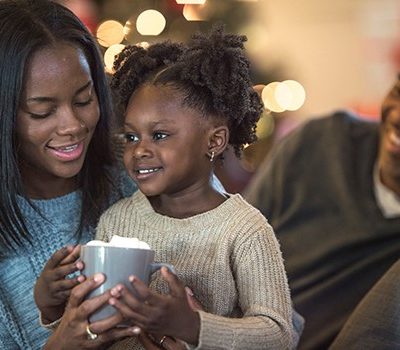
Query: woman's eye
point(40, 116)
point(131, 137)
point(159, 136)
point(84, 103)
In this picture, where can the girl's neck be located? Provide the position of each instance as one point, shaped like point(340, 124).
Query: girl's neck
point(187, 204)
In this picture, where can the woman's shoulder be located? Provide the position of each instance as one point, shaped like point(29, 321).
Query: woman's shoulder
point(124, 186)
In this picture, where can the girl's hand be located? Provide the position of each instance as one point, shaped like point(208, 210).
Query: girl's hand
point(156, 313)
point(72, 331)
point(152, 342)
point(52, 289)
point(168, 343)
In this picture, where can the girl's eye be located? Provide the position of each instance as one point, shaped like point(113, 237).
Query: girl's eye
point(84, 103)
point(159, 136)
point(130, 137)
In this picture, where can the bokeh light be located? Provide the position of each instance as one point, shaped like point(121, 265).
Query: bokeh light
point(150, 22)
point(195, 12)
point(109, 56)
point(295, 95)
point(130, 30)
point(109, 33)
point(193, 2)
point(288, 95)
point(268, 97)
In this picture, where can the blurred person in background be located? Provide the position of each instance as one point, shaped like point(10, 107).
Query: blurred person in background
point(331, 192)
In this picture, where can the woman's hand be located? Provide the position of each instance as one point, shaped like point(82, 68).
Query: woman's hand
point(156, 313)
point(52, 289)
point(72, 331)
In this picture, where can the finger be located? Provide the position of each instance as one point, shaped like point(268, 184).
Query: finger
point(79, 292)
point(58, 256)
point(193, 302)
point(142, 291)
point(65, 285)
point(64, 270)
point(107, 324)
point(170, 343)
point(135, 315)
point(72, 256)
point(118, 333)
point(175, 285)
point(147, 342)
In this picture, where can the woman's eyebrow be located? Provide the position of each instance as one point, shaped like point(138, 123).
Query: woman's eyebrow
point(43, 99)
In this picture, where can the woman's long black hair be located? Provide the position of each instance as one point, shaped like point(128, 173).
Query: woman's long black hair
point(25, 27)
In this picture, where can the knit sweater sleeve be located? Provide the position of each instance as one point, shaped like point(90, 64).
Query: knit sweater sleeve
point(264, 299)
point(6, 341)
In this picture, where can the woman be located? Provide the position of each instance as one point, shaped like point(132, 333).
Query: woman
point(56, 164)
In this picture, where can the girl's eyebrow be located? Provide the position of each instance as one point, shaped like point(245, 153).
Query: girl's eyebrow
point(155, 123)
point(51, 99)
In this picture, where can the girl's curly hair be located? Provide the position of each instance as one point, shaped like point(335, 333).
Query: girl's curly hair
point(211, 73)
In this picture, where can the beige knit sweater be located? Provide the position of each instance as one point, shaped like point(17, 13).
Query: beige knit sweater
point(229, 257)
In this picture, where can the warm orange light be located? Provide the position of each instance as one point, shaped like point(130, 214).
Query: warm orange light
point(269, 99)
point(195, 12)
point(193, 2)
point(109, 56)
point(290, 95)
point(109, 33)
point(150, 22)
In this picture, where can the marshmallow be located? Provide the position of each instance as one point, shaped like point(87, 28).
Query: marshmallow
point(120, 242)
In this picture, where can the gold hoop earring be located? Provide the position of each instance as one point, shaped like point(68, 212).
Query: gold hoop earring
point(212, 156)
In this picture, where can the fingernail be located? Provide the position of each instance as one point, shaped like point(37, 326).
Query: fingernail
point(136, 330)
point(189, 291)
point(81, 278)
point(131, 278)
point(98, 277)
point(115, 291)
point(111, 301)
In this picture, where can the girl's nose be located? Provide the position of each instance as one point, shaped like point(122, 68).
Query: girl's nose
point(142, 150)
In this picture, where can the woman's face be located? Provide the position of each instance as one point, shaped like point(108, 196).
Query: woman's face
point(56, 120)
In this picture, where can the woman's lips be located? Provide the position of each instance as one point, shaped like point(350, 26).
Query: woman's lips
point(68, 153)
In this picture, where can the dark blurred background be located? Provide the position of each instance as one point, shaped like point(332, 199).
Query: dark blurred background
point(344, 53)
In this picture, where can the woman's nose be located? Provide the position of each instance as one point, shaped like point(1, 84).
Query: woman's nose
point(69, 122)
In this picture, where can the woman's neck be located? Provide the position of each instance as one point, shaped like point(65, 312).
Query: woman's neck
point(49, 189)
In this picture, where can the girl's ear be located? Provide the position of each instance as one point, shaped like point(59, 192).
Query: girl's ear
point(217, 141)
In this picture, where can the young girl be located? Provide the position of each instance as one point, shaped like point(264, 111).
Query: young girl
point(184, 106)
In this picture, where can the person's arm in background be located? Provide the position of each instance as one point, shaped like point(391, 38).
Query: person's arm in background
point(375, 323)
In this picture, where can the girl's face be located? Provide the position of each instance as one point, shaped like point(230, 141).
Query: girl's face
point(58, 114)
point(389, 156)
point(166, 144)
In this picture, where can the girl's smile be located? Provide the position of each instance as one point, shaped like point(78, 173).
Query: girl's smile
point(166, 143)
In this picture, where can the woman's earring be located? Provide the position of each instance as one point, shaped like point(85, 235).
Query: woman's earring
point(212, 156)
point(82, 124)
